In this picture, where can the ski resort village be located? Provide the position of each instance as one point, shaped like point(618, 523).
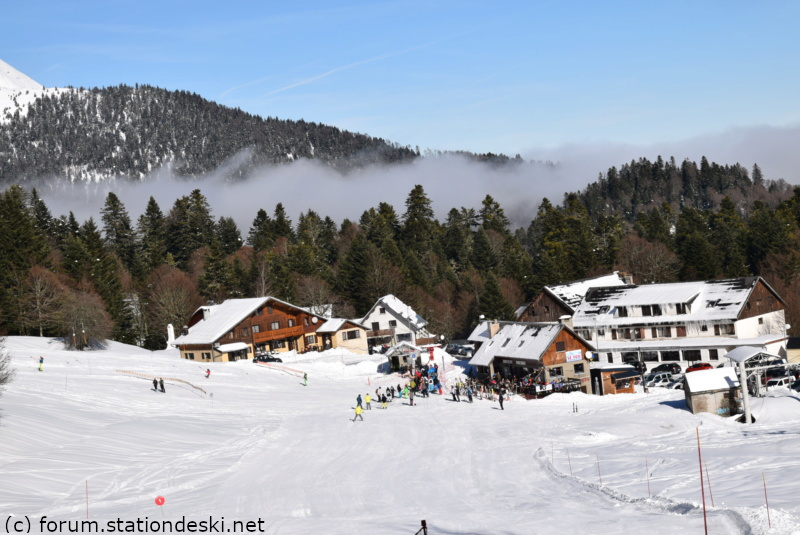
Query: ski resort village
point(584, 416)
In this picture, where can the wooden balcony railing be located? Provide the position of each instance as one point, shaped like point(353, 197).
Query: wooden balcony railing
point(277, 334)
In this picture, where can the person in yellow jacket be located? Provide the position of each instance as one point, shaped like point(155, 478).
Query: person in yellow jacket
point(367, 400)
point(359, 410)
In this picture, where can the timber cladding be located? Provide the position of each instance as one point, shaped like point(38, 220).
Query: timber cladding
point(544, 307)
point(762, 300)
point(564, 341)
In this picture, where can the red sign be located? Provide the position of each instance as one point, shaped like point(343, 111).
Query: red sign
point(160, 500)
point(431, 351)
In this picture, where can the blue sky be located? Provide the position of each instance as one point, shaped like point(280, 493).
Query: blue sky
point(509, 77)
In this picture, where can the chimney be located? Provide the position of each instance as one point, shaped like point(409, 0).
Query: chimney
point(170, 333)
point(494, 328)
point(566, 319)
point(206, 313)
point(184, 330)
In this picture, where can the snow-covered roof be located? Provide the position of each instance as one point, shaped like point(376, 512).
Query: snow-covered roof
point(220, 321)
point(521, 341)
point(406, 347)
point(229, 348)
point(572, 293)
point(611, 367)
point(745, 352)
point(711, 380)
point(404, 312)
point(714, 300)
point(687, 343)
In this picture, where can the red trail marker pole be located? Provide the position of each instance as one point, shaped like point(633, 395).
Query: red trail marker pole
point(647, 473)
point(769, 521)
point(709, 486)
point(702, 485)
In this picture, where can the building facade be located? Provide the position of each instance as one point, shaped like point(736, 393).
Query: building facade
point(390, 321)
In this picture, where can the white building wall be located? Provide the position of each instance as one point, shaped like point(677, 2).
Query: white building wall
point(383, 323)
point(772, 323)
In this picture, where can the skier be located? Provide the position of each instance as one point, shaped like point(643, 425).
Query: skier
point(368, 400)
point(161, 384)
point(208, 372)
point(469, 393)
point(502, 394)
point(383, 401)
point(41, 363)
point(411, 397)
point(454, 393)
point(305, 379)
point(155, 384)
point(358, 413)
point(358, 401)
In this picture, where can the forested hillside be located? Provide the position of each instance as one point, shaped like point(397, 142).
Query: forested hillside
point(125, 131)
point(124, 279)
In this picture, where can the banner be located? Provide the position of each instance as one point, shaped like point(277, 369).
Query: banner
point(572, 356)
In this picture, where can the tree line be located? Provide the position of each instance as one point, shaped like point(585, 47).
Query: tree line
point(126, 280)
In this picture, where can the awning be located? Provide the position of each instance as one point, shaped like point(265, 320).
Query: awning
point(625, 375)
point(230, 348)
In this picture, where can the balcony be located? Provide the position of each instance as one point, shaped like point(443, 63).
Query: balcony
point(380, 333)
point(278, 334)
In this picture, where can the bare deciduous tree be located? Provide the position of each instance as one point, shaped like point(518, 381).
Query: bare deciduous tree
point(6, 371)
point(171, 297)
point(648, 261)
point(83, 321)
point(43, 298)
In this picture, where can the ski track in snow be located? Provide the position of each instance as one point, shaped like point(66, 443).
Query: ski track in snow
point(260, 445)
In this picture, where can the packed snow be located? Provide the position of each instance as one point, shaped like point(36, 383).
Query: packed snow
point(87, 438)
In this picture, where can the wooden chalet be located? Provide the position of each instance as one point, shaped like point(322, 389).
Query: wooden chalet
point(551, 351)
point(240, 328)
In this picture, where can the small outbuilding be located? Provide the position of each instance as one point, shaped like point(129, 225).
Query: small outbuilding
point(613, 378)
point(716, 391)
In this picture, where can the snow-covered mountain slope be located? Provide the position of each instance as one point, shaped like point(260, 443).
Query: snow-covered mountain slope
point(17, 91)
point(88, 437)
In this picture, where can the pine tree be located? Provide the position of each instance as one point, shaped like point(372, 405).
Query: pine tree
point(281, 224)
point(118, 230)
point(228, 235)
point(418, 224)
point(492, 216)
point(261, 237)
point(492, 304)
point(152, 236)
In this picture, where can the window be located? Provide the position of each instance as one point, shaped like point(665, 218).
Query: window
point(382, 310)
point(664, 332)
point(727, 329)
point(650, 356)
point(277, 344)
point(704, 328)
point(609, 357)
point(601, 332)
point(680, 308)
point(275, 325)
point(305, 320)
point(392, 324)
point(670, 356)
point(190, 356)
point(405, 337)
point(622, 312)
point(269, 309)
point(256, 328)
point(520, 343)
point(230, 334)
point(713, 354)
point(630, 356)
point(560, 346)
point(507, 341)
point(651, 310)
point(761, 321)
point(311, 339)
point(205, 356)
point(351, 335)
point(578, 369)
point(245, 332)
point(691, 355)
point(376, 326)
point(680, 331)
point(291, 322)
point(556, 371)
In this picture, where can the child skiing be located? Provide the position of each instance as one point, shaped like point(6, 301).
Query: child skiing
point(358, 413)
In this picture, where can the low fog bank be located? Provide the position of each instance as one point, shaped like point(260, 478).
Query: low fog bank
point(450, 181)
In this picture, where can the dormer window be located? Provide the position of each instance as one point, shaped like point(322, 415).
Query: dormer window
point(712, 304)
point(680, 308)
point(651, 310)
point(382, 310)
point(622, 312)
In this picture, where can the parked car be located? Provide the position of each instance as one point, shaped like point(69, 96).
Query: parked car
point(452, 349)
point(466, 350)
point(266, 357)
point(667, 367)
point(779, 381)
point(699, 366)
point(677, 382)
point(658, 379)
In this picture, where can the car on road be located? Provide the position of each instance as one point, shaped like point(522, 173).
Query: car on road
point(658, 379)
point(699, 366)
point(667, 367)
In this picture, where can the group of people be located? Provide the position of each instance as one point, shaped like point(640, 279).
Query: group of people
point(158, 384)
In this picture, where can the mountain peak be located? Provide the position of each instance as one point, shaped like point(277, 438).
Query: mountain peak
point(13, 80)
